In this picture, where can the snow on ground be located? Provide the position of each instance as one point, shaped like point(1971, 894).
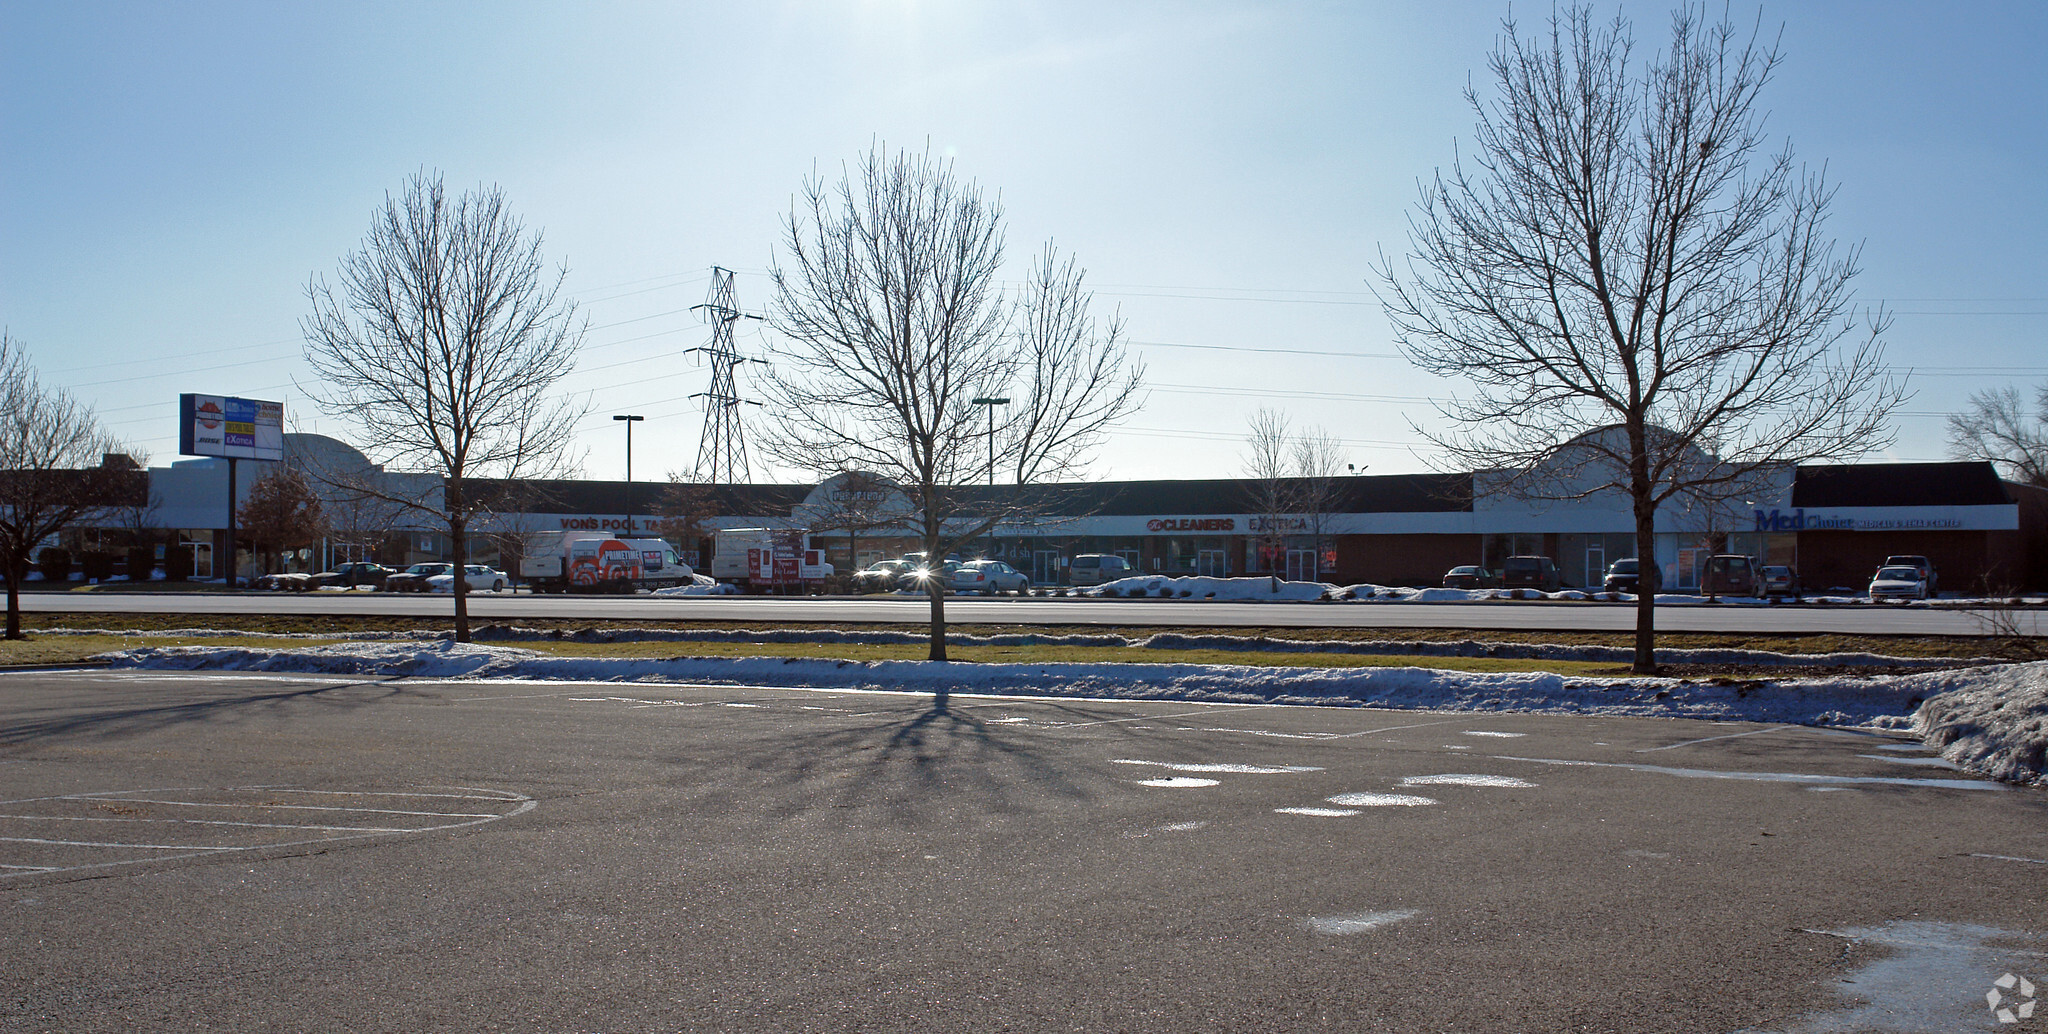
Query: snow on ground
point(700, 585)
point(1992, 720)
point(1239, 590)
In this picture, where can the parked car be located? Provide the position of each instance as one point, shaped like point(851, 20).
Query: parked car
point(881, 576)
point(920, 578)
point(1779, 580)
point(352, 575)
point(478, 576)
point(1899, 582)
point(1097, 568)
point(996, 577)
point(1531, 572)
point(1471, 576)
point(294, 582)
point(1918, 563)
point(1626, 575)
point(414, 578)
point(1730, 574)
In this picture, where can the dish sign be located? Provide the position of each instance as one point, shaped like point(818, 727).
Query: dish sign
point(243, 429)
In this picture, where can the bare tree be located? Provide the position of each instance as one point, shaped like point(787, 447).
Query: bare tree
point(53, 467)
point(893, 322)
point(281, 514)
point(1294, 484)
point(1626, 254)
point(1267, 463)
point(442, 345)
point(1998, 427)
point(1074, 377)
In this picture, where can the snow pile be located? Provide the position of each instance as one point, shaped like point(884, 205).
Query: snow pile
point(1203, 587)
point(1992, 720)
point(1881, 701)
point(700, 585)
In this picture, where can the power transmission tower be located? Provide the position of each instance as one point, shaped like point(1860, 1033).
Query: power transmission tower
point(722, 452)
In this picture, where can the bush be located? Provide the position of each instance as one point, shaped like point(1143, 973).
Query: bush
point(55, 563)
point(141, 561)
point(178, 563)
point(96, 564)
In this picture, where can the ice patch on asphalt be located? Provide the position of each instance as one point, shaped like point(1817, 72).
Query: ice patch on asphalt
point(1178, 782)
point(1321, 813)
point(1992, 720)
point(1359, 923)
point(1934, 976)
point(1379, 800)
point(1460, 779)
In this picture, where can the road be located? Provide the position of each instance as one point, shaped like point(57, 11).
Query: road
point(1503, 615)
point(307, 854)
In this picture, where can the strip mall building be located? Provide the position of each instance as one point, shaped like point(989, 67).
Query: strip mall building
point(1834, 524)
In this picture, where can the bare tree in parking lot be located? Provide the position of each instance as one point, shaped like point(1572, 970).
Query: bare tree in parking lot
point(442, 344)
point(1625, 255)
point(52, 467)
point(893, 321)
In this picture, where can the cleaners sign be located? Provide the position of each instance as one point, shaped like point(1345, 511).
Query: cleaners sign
point(243, 429)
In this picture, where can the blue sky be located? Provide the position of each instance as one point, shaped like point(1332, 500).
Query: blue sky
point(171, 175)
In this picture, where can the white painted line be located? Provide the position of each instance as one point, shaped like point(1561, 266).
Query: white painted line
point(379, 793)
point(2010, 858)
point(1328, 735)
point(133, 847)
point(1151, 717)
point(30, 868)
point(1710, 739)
point(290, 807)
point(213, 822)
point(1775, 777)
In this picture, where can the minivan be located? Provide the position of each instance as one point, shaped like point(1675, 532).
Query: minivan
point(1097, 568)
point(1531, 572)
point(1729, 574)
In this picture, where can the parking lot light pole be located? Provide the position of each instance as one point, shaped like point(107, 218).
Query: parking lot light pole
point(991, 403)
point(630, 421)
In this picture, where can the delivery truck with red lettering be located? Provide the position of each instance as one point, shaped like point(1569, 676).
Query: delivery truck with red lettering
point(595, 563)
point(774, 560)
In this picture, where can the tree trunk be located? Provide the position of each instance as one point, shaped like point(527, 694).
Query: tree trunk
point(1647, 583)
point(17, 568)
point(458, 532)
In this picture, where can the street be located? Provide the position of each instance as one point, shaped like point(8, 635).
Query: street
point(303, 853)
point(1503, 615)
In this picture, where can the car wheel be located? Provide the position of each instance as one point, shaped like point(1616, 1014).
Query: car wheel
point(498, 586)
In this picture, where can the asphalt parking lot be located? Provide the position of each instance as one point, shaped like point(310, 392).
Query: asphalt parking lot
point(245, 853)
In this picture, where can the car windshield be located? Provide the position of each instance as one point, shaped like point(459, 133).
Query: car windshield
point(427, 569)
point(1521, 565)
point(1898, 574)
point(1624, 567)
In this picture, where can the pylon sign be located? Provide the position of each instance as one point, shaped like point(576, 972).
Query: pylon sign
point(220, 425)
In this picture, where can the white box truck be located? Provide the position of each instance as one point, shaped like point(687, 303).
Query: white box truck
point(595, 563)
point(777, 560)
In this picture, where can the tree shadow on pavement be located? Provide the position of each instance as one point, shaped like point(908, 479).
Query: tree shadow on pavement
point(921, 761)
point(84, 721)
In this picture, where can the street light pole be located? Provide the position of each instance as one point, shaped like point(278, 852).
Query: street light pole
point(630, 421)
point(991, 403)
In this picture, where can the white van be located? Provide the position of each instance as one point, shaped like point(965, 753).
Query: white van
point(1097, 568)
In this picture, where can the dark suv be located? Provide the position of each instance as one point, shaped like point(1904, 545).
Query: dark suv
point(1530, 572)
point(1626, 575)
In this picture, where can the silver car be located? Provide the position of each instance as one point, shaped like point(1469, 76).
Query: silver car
point(996, 576)
point(1898, 583)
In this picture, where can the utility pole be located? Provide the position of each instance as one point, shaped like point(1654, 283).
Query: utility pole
point(722, 452)
point(630, 421)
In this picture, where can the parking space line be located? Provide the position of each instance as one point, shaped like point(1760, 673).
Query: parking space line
point(96, 843)
point(287, 807)
point(1154, 717)
point(1710, 739)
point(211, 822)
